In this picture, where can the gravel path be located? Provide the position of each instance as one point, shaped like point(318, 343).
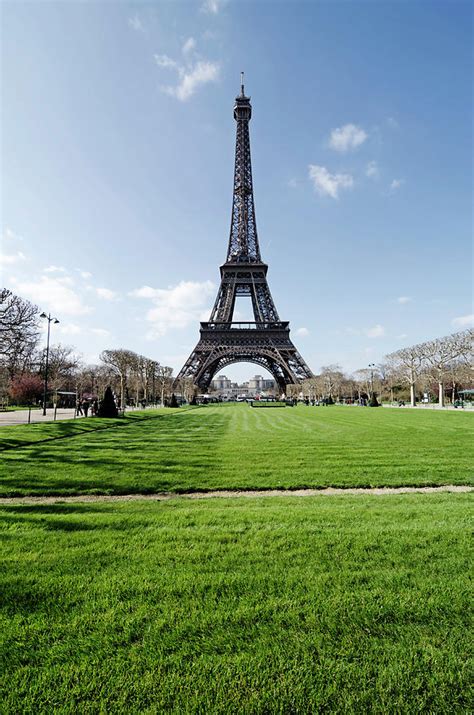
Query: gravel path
point(165, 496)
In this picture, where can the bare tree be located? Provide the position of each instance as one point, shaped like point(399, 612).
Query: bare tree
point(440, 353)
point(19, 332)
point(121, 362)
point(63, 363)
point(332, 378)
point(164, 374)
point(407, 364)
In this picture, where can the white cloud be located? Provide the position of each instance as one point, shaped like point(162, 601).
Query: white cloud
point(376, 332)
point(293, 183)
point(302, 332)
point(464, 321)
point(396, 184)
point(189, 45)
point(392, 123)
point(106, 293)
point(402, 336)
point(372, 170)
point(177, 306)
point(55, 294)
point(68, 329)
point(144, 292)
point(192, 77)
point(84, 274)
point(11, 258)
point(165, 62)
point(9, 235)
point(136, 24)
point(326, 184)
point(55, 269)
point(212, 7)
point(347, 137)
point(101, 332)
point(404, 299)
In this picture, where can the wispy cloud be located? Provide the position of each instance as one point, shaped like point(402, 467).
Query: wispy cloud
point(347, 138)
point(136, 24)
point(177, 306)
point(404, 299)
point(372, 170)
point(190, 76)
point(212, 7)
point(9, 259)
point(101, 332)
point(376, 332)
point(189, 46)
point(53, 293)
point(55, 269)
point(464, 321)
point(392, 123)
point(327, 184)
point(106, 294)
point(395, 185)
point(302, 332)
point(84, 274)
point(166, 62)
point(14, 255)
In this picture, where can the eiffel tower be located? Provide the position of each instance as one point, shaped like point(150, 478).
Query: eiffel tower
point(266, 340)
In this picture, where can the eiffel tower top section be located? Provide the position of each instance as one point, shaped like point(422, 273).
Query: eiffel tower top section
point(243, 241)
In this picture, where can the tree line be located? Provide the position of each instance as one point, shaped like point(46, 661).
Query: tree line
point(436, 368)
point(439, 367)
point(134, 378)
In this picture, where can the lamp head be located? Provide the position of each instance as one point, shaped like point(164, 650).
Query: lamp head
point(43, 315)
point(56, 321)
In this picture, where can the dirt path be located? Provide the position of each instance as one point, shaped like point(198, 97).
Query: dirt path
point(165, 496)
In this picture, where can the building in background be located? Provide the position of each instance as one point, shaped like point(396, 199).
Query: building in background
point(223, 387)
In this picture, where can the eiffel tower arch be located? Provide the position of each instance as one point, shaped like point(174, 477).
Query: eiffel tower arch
point(265, 340)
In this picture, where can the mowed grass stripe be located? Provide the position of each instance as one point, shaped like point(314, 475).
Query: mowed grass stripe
point(237, 447)
point(354, 604)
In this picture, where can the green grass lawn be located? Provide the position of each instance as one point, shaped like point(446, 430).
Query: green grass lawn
point(237, 447)
point(302, 605)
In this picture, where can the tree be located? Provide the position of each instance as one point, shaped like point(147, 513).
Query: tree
point(407, 364)
point(26, 389)
point(332, 377)
point(440, 353)
point(19, 332)
point(164, 375)
point(121, 363)
point(63, 362)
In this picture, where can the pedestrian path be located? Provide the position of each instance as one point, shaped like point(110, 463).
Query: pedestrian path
point(22, 417)
point(229, 494)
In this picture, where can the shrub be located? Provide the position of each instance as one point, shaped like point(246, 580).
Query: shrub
point(108, 408)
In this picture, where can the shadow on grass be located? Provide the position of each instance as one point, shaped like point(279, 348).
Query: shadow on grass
point(118, 461)
point(63, 429)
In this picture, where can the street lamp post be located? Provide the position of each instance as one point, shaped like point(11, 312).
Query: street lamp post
point(371, 365)
point(55, 321)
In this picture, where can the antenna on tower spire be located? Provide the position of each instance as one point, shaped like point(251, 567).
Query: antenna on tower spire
point(242, 84)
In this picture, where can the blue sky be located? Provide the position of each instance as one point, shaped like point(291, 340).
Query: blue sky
point(118, 149)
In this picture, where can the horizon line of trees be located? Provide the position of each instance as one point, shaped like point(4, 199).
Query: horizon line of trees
point(436, 367)
point(441, 366)
point(133, 377)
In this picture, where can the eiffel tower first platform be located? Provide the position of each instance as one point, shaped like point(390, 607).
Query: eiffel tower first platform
point(266, 341)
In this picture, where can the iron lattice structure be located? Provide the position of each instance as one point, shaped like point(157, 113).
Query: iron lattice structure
point(266, 341)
